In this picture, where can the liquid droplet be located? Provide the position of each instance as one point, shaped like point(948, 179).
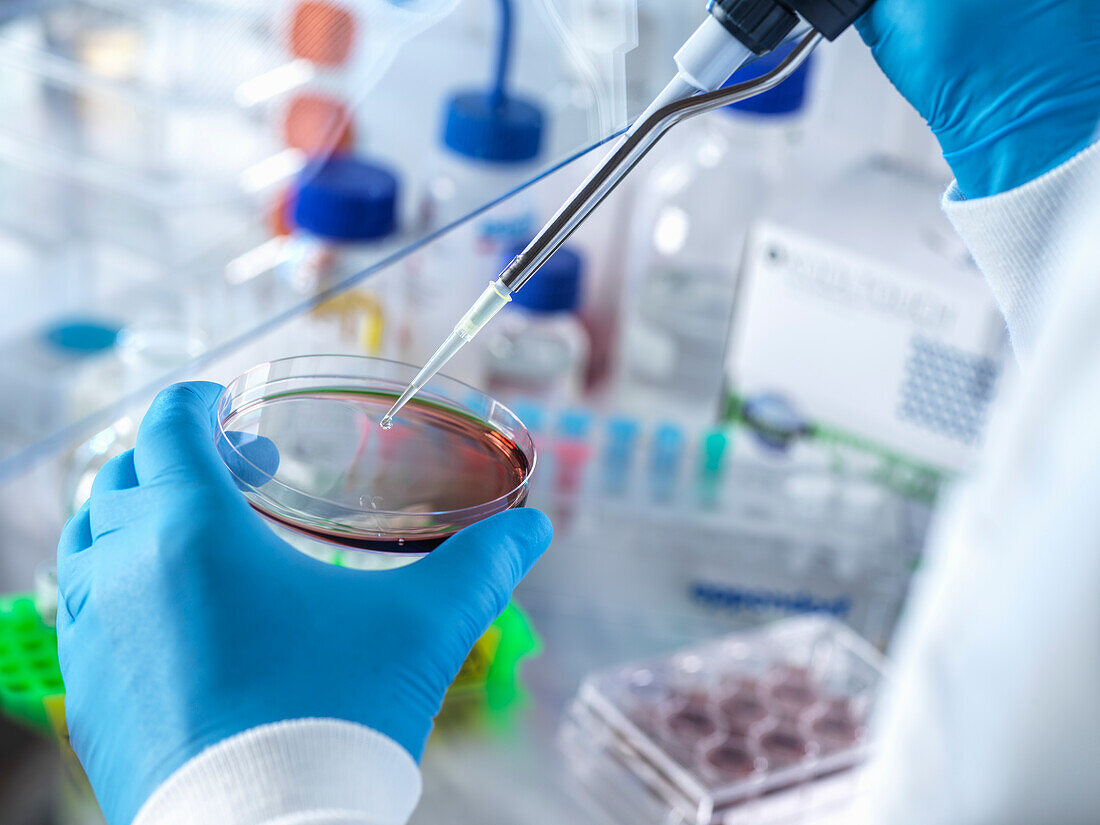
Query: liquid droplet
point(386, 422)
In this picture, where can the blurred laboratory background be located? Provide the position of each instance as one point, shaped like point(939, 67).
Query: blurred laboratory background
point(748, 375)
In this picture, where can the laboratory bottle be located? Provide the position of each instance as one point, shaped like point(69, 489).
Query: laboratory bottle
point(345, 220)
point(538, 349)
point(491, 145)
point(694, 205)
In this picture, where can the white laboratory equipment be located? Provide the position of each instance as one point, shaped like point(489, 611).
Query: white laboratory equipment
point(539, 349)
point(900, 343)
point(694, 207)
point(345, 216)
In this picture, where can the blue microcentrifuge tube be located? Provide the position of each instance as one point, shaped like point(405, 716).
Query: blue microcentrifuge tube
point(667, 452)
point(618, 456)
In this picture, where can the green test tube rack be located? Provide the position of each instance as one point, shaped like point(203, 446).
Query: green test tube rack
point(31, 690)
point(30, 677)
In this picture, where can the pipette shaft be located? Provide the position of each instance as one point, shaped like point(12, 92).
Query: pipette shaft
point(630, 149)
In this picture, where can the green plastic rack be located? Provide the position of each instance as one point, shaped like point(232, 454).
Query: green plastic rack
point(31, 690)
point(30, 677)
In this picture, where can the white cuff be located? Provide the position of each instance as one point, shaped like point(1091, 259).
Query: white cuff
point(1017, 240)
point(300, 772)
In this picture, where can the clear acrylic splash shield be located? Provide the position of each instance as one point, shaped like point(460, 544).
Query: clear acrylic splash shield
point(302, 440)
point(730, 726)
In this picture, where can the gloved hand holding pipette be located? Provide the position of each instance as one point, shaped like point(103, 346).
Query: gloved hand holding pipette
point(184, 621)
point(1010, 89)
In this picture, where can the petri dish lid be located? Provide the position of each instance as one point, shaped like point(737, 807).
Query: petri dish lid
point(301, 439)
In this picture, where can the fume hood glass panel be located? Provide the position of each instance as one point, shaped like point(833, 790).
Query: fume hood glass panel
point(150, 153)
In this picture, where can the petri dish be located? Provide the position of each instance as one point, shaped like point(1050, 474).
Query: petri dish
point(302, 440)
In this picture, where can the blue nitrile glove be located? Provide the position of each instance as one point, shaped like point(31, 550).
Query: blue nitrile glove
point(1010, 87)
point(184, 620)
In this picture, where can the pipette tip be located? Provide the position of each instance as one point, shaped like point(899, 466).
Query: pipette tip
point(495, 296)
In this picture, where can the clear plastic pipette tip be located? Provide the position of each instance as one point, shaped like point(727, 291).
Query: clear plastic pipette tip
point(495, 296)
point(445, 353)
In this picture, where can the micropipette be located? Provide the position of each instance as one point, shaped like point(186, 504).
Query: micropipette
point(733, 33)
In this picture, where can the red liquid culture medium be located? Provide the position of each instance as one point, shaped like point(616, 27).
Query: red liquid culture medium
point(743, 709)
point(790, 691)
point(733, 759)
point(838, 726)
point(691, 723)
point(343, 480)
point(784, 746)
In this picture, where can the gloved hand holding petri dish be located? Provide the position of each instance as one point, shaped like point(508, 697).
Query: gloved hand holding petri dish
point(329, 478)
point(184, 621)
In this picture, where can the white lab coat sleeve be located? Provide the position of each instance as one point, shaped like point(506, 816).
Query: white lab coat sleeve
point(1013, 238)
point(299, 772)
point(992, 715)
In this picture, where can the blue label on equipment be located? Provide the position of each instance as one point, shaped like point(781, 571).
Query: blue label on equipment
point(737, 598)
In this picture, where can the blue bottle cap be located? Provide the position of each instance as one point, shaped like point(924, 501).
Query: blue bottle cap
point(556, 287)
point(774, 420)
point(785, 99)
point(346, 199)
point(82, 336)
point(498, 129)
